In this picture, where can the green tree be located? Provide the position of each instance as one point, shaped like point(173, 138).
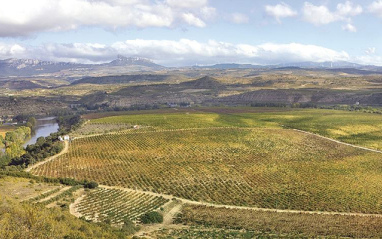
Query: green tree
point(151, 217)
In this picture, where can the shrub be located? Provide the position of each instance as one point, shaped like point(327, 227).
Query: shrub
point(151, 217)
point(91, 185)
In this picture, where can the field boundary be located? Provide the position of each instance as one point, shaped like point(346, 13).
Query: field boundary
point(339, 142)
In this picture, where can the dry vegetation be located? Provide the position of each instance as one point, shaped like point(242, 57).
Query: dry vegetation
point(23, 189)
point(5, 129)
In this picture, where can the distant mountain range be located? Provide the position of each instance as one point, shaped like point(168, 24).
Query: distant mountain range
point(29, 67)
point(126, 61)
point(33, 67)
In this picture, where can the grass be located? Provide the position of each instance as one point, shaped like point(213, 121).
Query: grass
point(270, 168)
point(289, 225)
point(22, 220)
point(22, 188)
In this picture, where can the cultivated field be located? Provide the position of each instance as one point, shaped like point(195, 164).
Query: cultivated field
point(117, 205)
point(269, 168)
point(288, 225)
point(358, 128)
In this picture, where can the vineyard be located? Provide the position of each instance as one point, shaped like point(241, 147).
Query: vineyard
point(212, 233)
point(88, 129)
point(55, 195)
point(290, 225)
point(117, 205)
point(269, 168)
point(363, 129)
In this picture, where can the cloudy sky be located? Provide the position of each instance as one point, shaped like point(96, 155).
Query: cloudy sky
point(189, 32)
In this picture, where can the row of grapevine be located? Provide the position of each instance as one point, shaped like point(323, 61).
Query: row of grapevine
point(117, 205)
point(44, 195)
point(63, 194)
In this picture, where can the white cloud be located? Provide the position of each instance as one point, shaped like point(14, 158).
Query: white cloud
point(318, 15)
point(321, 15)
point(192, 20)
point(208, 12)
point(376, 8)
point(178, 53)
point(239, 18)
point(279, 11)
point(296, 52)
point(348, 9)
point(369, 60)
point(370, 50)
point(187, 3)
point(349, 27)
point(25, 17)
point(10, 50)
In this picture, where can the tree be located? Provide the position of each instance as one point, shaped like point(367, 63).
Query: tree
point(40, 141)
point(151, 217)
point(32, 121)
point(2, 141)
point(90, 185)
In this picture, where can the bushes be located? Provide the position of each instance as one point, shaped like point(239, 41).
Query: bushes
point(90, 185)
point(151, 217)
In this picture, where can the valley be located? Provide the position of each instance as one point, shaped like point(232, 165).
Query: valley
point(228, 153)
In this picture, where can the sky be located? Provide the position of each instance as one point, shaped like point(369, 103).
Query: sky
point(192, 32)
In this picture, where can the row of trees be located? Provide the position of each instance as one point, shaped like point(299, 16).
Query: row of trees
point(43, 148)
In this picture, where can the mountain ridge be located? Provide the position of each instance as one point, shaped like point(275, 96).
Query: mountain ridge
point(29, 67)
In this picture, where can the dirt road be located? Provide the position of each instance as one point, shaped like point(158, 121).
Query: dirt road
point(63, 151)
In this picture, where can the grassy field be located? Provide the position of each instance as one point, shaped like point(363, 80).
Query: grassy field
point(287, 225)
point(22, 189)
point(271, 168)
point(363, 129)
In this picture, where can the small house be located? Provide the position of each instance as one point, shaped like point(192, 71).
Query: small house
point(64, 138)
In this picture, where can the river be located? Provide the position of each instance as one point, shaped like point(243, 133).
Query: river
point(44, 127)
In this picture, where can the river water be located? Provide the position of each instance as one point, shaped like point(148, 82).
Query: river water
point(44, 127)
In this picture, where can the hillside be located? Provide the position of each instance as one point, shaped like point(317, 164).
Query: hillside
point(122, 79)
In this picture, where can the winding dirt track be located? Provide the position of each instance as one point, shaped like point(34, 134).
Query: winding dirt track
point(339, 142)
point(63, 151)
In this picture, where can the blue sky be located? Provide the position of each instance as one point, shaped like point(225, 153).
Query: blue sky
point(189, 32)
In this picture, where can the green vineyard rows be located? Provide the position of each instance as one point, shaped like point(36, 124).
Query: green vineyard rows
point(270, 168)
point(117, 205)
